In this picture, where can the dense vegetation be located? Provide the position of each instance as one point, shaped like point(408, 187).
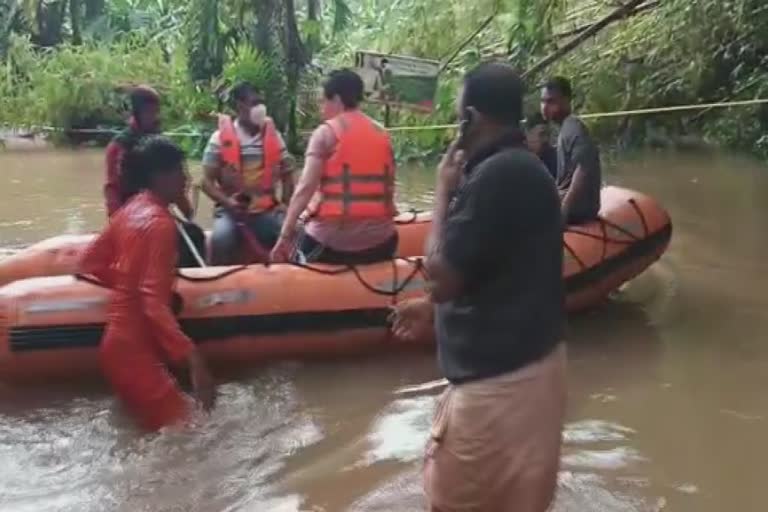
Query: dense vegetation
point(65, 63)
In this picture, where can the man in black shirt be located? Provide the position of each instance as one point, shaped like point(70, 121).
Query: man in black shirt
point(578, 159)
point(495, 263)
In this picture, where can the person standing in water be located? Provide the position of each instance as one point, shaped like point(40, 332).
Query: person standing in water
point(135, 256)
point(347, 186)
point(579, 176)
point(145, 121)
point(244, 161)
point(496, 299)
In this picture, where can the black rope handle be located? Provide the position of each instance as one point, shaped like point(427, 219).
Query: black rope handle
point(414, 217)
point(605, 222)
point(90, 280)
point(602, 238)
point(396, 289)
point(640, 214)
point(605, 241)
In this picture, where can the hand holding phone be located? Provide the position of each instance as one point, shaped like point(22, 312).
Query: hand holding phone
point(464, 124)
point(449, 170)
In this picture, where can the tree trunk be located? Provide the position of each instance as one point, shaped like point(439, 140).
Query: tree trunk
point(74, 19)
point(93, 9)
point(50, 22)
point(616, 15)
point(277, 38)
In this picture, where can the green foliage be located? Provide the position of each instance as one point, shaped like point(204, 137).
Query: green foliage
point(205, 43)
point(247, 63)
point(65, 62)
point(679, 52)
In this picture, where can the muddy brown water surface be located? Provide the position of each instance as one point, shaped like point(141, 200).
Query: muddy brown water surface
point(668, 381)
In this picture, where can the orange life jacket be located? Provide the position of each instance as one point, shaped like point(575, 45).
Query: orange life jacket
point(264, 199)
point(358, 179)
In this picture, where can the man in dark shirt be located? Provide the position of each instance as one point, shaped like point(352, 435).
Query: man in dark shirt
point(578, 159)
point(495, 263)
point(537, 139)
point(144, 121)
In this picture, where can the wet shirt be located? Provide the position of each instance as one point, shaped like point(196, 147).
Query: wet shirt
point(251, 157)
point(135, 256)
point(548, 156)
point(113, 195)
point(575, 148)
point(503, 235)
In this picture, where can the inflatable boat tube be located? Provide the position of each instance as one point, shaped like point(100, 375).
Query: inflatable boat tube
point(50, 327)
point(59, 255)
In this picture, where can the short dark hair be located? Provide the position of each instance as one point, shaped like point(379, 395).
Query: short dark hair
point(143, 96)
point(534, 119)
point(241, 90)
point(347, 85)
point(496, 91)
point(153, 155)
point(559, 85)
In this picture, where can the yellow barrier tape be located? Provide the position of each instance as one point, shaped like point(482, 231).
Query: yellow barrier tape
point(676, 108)
point(657, 110)
point(642, 111)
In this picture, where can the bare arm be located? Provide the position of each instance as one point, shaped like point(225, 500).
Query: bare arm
point(185, 206)
point(210, 184)
point(308, 185)
point(212, 172)
point(287, 183)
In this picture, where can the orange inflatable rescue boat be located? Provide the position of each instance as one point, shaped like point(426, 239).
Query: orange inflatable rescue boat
point(50, 327)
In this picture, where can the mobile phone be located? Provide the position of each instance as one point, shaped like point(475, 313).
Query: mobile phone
point(464, 124)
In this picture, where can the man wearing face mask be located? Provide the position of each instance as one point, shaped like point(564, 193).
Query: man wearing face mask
point(243, 163)
point(347, 186)
point(496, 299)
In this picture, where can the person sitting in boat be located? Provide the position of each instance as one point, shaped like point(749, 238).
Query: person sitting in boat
point(537, 140)
point(144, 121)
point(347, 186)
point(135, 257)
point(243, 162)
point(578, 158)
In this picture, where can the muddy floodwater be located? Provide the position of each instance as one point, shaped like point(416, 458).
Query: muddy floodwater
point(668, 401)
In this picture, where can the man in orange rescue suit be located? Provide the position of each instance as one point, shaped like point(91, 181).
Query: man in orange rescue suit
point(244, 161)
point(347, 186)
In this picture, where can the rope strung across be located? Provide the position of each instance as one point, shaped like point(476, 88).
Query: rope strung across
point(597, 115)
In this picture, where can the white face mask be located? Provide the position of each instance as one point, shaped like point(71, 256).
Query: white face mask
point(258, 115)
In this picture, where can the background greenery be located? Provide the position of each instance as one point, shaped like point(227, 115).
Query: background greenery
point(67, 63)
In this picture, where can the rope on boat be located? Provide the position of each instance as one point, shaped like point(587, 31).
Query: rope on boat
point(397, 286)
point(605, 238)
